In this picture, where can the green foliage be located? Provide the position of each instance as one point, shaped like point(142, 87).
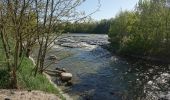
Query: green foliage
point(4, 78)
point(28, 81)
point(25, 78)
point(122, 28)
point(4, 74)
point(99, 27)
point(144, 31)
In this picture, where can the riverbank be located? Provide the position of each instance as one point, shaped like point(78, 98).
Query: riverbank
point(26, 82)
point(63, 95)
point(149, 58)
point(26, 95)
point(156, 59)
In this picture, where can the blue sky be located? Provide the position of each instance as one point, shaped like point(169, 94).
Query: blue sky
point(108, 9)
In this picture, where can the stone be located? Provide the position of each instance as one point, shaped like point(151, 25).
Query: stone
point(61, 69)
point(69, 83)
point(112, 93)
point(22, 93)
point(7, 99)
point(163, 99)
point(75, 45)
point(66, 76)
point(29, 90)
point(150, 82)
point(12, 92)
point(66, 40)
point(52, 57)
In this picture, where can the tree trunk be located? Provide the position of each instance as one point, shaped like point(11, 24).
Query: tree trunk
point(14, 79)
point(5, 48)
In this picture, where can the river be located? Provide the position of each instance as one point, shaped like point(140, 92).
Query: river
point(101, 75)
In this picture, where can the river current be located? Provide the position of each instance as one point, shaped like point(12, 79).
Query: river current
point(101, 75)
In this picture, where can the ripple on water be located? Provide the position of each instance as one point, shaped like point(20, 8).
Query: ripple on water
point(98, 75)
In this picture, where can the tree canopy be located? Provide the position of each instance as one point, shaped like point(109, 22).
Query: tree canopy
point(97, 27)
point(144, 31)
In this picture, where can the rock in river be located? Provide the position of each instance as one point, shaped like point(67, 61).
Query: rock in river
point(66, 76)
point(52, 57)
point(75, 45)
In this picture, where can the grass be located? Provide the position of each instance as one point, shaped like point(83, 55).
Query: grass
point(25, 77)
point(4, 79)
point(27, 80)
point(4, 75)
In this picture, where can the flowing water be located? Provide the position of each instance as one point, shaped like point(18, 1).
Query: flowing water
point(100, 75)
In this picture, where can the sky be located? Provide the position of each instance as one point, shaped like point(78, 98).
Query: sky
point(108, 9)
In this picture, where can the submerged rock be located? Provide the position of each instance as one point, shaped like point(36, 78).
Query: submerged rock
point(75, 45)
point(66, 40)
point(52, 57)
point(69, 83)
point(61, 69)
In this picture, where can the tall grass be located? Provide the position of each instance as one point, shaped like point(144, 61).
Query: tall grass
point(27, 80)
point(4, 74)
point(25, 77)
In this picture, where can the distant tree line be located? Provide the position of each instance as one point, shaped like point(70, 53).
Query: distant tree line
point(144, 31)
point(98, 27)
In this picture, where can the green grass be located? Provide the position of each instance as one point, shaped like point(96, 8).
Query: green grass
point(28, 81)
point(4, 79)
point(25, 77)
point(4, 75)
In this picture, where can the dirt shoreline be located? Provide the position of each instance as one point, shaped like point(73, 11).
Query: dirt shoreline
point(7, 94)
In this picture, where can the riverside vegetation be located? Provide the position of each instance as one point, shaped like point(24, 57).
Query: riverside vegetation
point(144, 31)
point(23, 25)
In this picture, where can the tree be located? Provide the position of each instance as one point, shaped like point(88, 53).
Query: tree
point(49, 17)
point(144, 31)
point(25, 23)
point(12, 16)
